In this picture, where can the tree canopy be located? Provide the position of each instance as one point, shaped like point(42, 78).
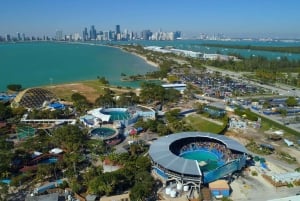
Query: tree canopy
point(291, 101)
point(69, 137)
point(5, 111)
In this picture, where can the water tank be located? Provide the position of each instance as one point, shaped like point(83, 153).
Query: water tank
point(185, 188)
point(173, 194)
point(179, 186)
point(168, 190)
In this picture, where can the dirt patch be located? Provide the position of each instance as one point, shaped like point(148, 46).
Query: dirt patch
point(64, 91)
point(90, 89)
point(243, 139)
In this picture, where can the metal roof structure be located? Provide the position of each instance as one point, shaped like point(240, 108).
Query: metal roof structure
point(33, 98)
point(161, 154)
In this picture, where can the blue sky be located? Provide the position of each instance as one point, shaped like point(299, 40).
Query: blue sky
point(276, 18)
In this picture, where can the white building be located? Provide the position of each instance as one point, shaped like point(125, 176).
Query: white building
point(76, 36)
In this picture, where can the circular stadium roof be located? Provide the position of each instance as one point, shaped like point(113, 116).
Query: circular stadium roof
point(33, 98)
point(161, 154)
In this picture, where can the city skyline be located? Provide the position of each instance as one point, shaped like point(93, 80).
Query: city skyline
point(233, 18)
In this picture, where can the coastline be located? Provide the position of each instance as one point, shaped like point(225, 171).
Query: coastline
point(151, 63)
point(144, 58)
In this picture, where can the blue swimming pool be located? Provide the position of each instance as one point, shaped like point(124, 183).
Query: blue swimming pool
point(49, 161)
point(116, 113)
point(103, 132)
point(5, 181)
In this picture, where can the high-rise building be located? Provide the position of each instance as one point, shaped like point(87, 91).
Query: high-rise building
point(106, 35)
point(112, 35)
point(19, 36)
point(177, 34)
point(93, 33)
point(23, 37)
point(118, 29)
point(131, 37)
point(76, 36)
point(146, 34)
point(85, 34)
point(8, 38)
point(59, 35)
point(118, 33)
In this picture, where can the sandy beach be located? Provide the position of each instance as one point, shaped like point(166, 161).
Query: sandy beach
point(145, 59)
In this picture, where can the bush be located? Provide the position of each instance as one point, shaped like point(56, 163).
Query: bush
point(297, 183)
point(14, 87)
point(254, 173)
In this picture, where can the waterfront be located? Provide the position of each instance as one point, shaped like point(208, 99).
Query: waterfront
point(44, 63)
point(47, 63)
point(199, 46)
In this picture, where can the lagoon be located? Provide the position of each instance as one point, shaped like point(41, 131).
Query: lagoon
point(45, 63)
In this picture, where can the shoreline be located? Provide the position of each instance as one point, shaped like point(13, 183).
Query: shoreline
point(144, 58)
point(151, 63)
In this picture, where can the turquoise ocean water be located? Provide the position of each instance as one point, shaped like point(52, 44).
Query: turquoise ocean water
point(36, 64)
point(42, 63)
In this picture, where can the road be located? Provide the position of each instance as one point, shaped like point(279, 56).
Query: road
point(281, 89)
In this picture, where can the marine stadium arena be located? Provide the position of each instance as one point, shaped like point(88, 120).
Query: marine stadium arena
point(196, 158)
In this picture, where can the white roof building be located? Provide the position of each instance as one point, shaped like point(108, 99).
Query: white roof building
point(96, 113)
point(286, 177)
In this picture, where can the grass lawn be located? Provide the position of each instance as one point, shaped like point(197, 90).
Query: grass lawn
point(91, 89)
point(200, 124)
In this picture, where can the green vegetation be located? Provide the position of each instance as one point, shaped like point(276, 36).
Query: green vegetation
point(265, 71)
point(103, 80)
point(198, 123)
point(255, 148)
point(291, 101)
point(266, 124)
point(80, 102)
point(151, 92)
point(246, 113)
point(153, 126)
point(286, 157)
point(297, 183)
point(287, 49)
point(254, 173)
point(6, 156)
point(5, 111)
point(14, 87)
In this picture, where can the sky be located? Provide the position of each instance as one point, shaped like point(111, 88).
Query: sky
point(234, 18)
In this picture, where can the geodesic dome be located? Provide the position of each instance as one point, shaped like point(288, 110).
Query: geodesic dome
point(33, 98)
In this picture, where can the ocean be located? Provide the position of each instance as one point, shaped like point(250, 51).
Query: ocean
point(45, 63)
point(40, 63)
